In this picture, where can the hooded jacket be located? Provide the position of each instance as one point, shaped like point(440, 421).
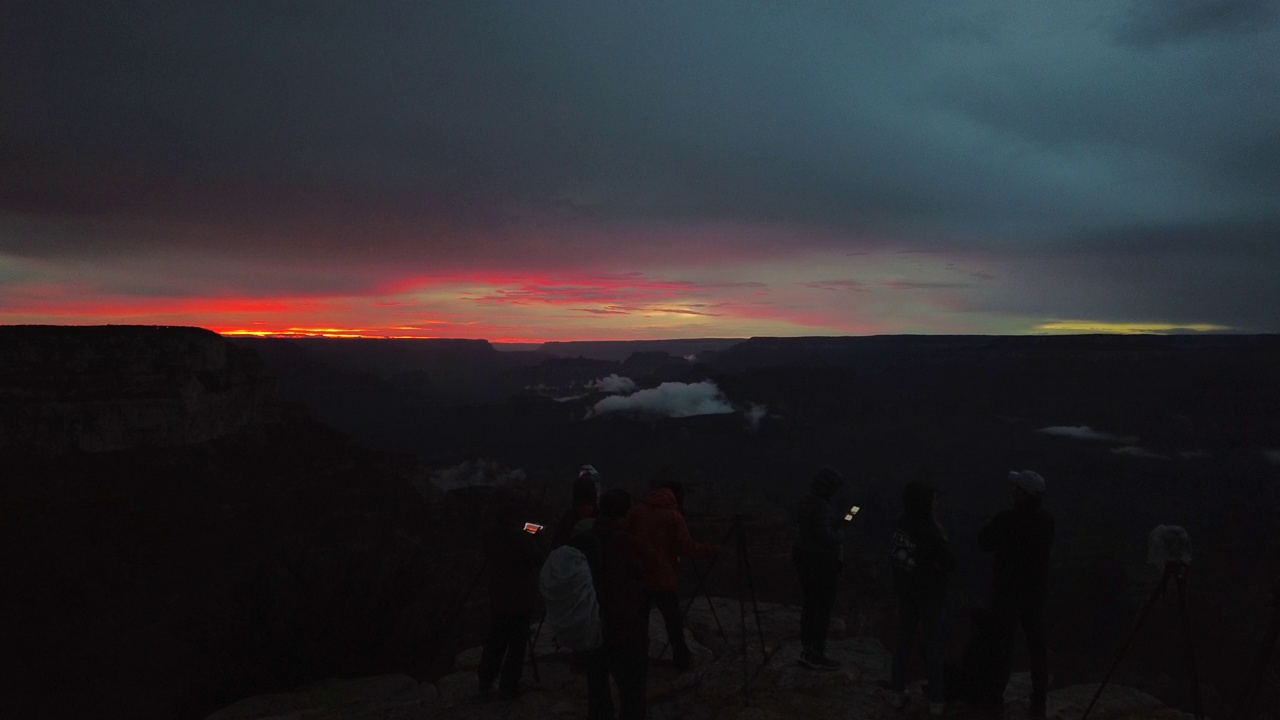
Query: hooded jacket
point(663, 535)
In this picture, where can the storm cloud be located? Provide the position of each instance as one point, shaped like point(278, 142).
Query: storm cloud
point(1116, 163)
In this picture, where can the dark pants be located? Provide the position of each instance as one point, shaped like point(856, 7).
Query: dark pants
point(629, 668)
point(504, 648)
point(1008, 614)
point(819, 578)
point(668, 603)
point(926, 616)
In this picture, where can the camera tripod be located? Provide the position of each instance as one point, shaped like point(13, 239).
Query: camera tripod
point(1176, 571)
point(1264, 658)
point(746, 589)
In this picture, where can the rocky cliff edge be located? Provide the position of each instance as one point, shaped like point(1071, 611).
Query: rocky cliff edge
point(713, 690)
point(104, 388)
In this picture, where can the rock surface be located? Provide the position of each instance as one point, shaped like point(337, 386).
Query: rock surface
point(779, 687)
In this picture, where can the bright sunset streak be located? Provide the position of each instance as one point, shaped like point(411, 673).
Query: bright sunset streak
point(1136, 328)
point(870, 293)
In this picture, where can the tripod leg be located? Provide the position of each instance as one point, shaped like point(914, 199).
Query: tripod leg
point(702, 579)
point(1260, 667)
point(1133, 631)
point(742, 616)
point(538, 634)
point(447, 631)
point(533, 657)
point(751, 583)
point(710, 605)
point(698, 589)
point(1197, 704)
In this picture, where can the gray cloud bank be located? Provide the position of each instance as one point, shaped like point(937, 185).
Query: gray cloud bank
point(614, 384)
point(670, 399)
point(1084, 432)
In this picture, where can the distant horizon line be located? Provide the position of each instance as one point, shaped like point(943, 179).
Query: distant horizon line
point(1057, 330)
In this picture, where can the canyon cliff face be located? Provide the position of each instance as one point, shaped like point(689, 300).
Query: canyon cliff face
point(96, 389)
point(173, 538)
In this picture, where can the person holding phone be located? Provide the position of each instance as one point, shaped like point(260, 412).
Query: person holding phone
point(819, 555)
point(512, 558)
point(921, 563)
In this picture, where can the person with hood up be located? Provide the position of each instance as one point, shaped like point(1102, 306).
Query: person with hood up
point(1020, 539)
point(819, 555)
point(659, 525)
point(623, 616)
point(921, 563)
point(512, 559)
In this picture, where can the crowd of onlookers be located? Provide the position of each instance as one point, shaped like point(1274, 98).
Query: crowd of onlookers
point(613, 561)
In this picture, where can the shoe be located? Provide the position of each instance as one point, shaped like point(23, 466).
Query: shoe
point(937, 709)
point(683, 661)
point(898, 700)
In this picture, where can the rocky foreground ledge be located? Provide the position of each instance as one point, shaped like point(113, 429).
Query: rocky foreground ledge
point(713, 690)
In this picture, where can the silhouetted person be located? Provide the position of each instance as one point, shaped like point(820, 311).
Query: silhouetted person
point(818, 555)
point(623, 615)
point(921, 564)
point(584, 506)
point(1020, 539)
point(658, 524)
point(512, 559)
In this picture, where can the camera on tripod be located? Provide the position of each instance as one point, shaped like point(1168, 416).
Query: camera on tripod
point(1168, 548)
point(1168, 544)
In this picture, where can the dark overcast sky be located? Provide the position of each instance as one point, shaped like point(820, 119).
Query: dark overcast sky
point(546, 170)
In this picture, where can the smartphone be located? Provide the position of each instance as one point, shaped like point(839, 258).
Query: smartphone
point(532, 528)
point(852, 511)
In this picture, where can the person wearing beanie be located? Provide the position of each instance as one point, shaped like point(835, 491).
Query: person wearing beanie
point(921, 563)
point(582, 509)
point(1020, 539)
point(819, 555)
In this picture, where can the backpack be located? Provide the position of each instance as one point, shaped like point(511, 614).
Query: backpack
point(568, 584)
point(903, 553)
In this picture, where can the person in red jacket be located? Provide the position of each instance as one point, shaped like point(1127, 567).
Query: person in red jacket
point(659, 526)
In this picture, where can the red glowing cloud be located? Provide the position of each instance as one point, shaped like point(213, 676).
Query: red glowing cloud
point(873, 295)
